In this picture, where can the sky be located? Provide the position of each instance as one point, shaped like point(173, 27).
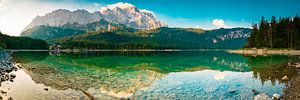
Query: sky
point(205, 14)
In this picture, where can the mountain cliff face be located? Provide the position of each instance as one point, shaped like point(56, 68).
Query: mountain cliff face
point(47, 32)
point(131, 16)
point(120, 13)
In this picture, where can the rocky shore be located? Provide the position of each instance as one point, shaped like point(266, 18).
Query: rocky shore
point(7, 66)
point(255, 51)
point(292, 92)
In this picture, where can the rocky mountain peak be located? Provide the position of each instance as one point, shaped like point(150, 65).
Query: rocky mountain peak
point(131, 16)
point(119, 13)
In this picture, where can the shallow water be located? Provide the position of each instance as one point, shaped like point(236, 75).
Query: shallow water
point(149, 75)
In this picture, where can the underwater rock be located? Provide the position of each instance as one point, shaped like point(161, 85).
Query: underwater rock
point(276, 97)
point(232, 91)
point(284, 78)
point(298, 66)
point(262, 96)
point(255, 91)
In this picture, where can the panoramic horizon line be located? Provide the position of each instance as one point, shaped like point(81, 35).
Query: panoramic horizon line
point(15, 15)
point(219, 24)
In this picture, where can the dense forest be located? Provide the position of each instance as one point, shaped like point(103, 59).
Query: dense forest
point(282, 33)
point(9, 42)
point(161, 38)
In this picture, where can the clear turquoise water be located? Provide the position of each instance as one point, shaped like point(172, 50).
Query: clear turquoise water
point(160, 75)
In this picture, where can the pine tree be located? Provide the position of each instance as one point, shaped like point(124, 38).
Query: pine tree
point(284, 33)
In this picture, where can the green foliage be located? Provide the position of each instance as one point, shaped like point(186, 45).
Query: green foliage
point(9, 42)
point(282, 33)
point(162, 38)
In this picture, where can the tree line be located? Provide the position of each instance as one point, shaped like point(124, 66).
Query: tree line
point(91, 45)
point(281, 33)
point(9, 42)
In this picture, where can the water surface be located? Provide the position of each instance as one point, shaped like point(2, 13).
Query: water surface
point(154, 75)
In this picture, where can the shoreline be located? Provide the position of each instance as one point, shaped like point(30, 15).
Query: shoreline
point(265, 52)
point(292, 91)
point(126, 50)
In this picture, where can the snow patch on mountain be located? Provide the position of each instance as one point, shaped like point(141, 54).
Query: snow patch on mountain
point(130, 15)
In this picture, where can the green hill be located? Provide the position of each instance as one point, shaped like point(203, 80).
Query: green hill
point(9, 42)
point(162, 38)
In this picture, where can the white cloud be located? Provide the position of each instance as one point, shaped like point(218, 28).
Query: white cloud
point(120, 5)
point(219, 23)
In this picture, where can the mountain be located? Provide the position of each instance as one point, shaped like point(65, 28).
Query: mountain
point(161, 38)
point(119, 13)
point(124, 26)
point(47, 32)
point(131, 16)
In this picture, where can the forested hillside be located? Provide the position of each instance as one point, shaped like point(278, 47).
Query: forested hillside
point(9, 42)
point(281, 33)
point(162, 38)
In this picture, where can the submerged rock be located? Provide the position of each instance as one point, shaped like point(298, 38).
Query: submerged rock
point(232, 91)
point(262, 96)
point(284, 78)
point(276, 97)
point(255, 91)
point(298, 66)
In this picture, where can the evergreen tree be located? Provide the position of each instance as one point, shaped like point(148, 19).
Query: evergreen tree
point(283, 33)
point(9, 42)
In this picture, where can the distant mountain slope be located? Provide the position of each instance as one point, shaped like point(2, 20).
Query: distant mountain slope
point(162, 38)
point(120, 13)
point(47, 32)
point(52, 32)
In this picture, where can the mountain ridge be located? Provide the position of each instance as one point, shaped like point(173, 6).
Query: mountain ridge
point(130, 16)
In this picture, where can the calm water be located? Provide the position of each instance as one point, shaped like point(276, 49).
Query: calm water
point(151, 75)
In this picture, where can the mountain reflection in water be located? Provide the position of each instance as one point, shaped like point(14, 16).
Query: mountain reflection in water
point(159, 75)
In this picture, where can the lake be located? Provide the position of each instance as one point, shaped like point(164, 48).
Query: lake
point(148, 75)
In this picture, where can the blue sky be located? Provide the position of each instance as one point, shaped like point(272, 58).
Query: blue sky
point(200, 13)
point(177, 13)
